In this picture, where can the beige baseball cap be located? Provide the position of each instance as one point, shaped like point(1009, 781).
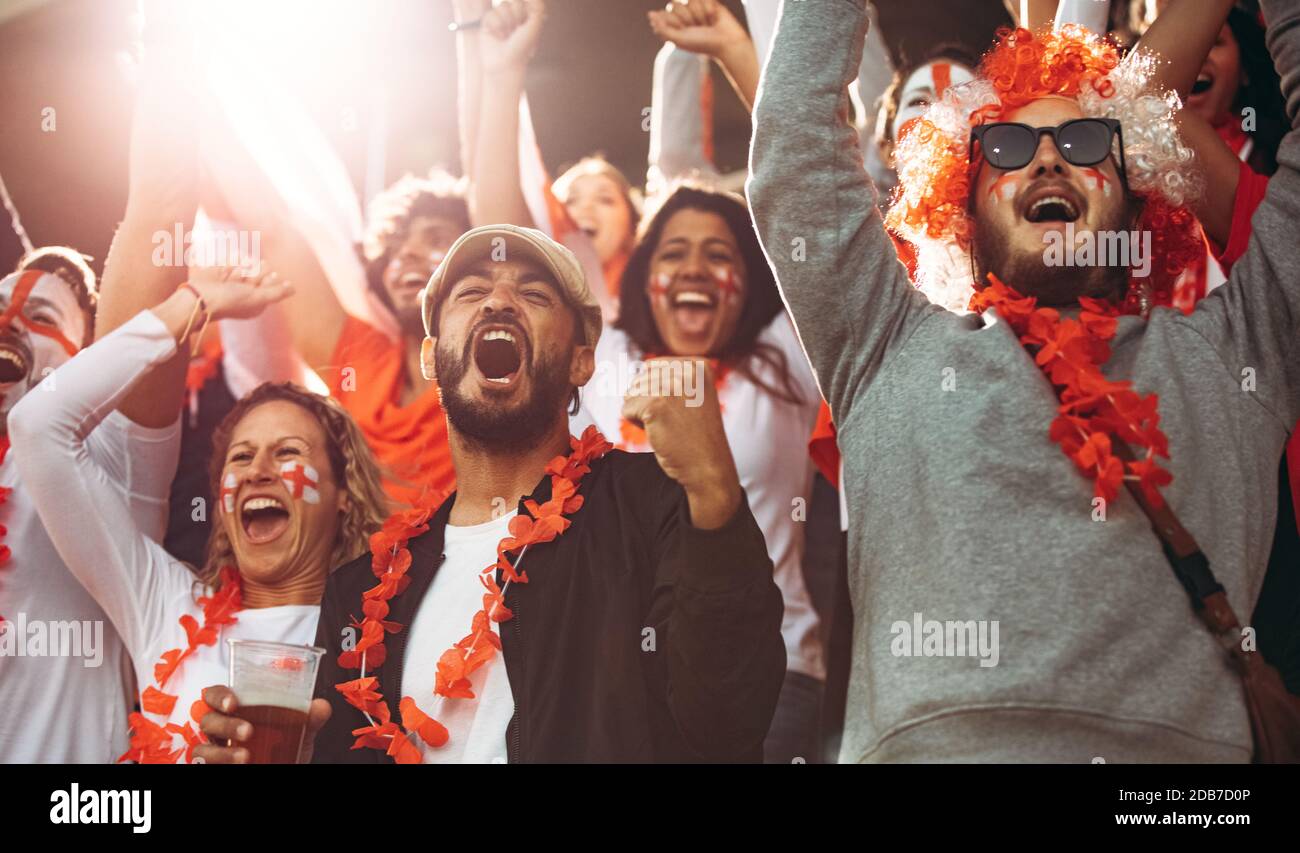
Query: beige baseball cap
point(501, 242)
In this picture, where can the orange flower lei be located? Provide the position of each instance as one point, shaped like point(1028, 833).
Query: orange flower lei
point(150, 742)
point(391, 560)
point(1093, 409)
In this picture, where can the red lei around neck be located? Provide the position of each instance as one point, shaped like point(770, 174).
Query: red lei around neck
point(151, 743)
point(391, 560)
point(1094, 410)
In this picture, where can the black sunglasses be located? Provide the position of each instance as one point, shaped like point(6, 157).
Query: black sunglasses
point(1081, 141)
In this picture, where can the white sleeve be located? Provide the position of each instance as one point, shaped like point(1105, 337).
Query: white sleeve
point(602, 397)
point(780, 333)
point(760, 18)
point(677, 121)
point(86, 497)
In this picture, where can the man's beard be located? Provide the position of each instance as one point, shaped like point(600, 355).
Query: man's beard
point(496, 427)
point(1028, 273)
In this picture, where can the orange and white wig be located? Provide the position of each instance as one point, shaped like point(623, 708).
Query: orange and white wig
point(931, 205)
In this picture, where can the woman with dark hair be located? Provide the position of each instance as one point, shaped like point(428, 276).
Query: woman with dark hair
point(697, 284)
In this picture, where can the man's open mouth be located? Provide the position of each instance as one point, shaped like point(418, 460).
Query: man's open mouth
point(693, 310)
point(499, 354)
point(15, 361)
point(264, 519)
point(1056, 204)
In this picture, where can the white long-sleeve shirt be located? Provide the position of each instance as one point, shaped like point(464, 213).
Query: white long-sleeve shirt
point(66, 682)
point(142, 588)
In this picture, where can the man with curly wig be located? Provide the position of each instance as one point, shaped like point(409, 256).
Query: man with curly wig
point(1001, 437)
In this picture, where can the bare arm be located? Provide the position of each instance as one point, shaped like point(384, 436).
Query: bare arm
point(509, 36)
point(313, 317)
point(1253, 321)
point(142, 270)
point(1181, 37)
point(469, 78)
point(1222, 172)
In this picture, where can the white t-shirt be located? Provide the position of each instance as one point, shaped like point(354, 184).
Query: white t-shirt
point(769, 441)
point(93, 524)
point(477, 727)
point(71, 707)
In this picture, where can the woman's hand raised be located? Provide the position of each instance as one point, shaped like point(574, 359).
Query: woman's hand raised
point(232, 293)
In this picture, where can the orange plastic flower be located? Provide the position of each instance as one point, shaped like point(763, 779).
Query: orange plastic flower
point(1094, 410)
point(390, 561)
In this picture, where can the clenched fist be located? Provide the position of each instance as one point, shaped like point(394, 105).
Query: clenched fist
point(511, 31)
point(674, 400)
point(700, 26)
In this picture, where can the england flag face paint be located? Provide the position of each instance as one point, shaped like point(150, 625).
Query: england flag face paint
point(730, 284)
point(228, 488)
point(1095, 181)
point(923, 87)
point(302, 480)
point(40, 323)
point(659, 285)
point(1004, 189)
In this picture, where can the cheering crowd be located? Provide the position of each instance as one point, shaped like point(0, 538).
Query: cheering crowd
point(961, 437)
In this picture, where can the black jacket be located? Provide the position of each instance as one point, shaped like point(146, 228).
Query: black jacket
point(637, 638)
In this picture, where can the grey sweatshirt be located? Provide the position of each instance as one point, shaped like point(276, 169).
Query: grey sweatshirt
point(962, 509)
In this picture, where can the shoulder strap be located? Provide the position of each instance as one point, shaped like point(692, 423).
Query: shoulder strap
point(1187, 560)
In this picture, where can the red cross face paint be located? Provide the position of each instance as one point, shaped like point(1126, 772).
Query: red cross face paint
point(1004, 189)
point(659, 286)
point(229, 486)
point(302, 480)
point(697, 282)
point(40, 320)
point(1095, 181)
point(923, 87)
point(730, 285)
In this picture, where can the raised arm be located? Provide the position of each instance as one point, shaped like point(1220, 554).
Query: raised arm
point(708, 28)
point(241, 191)
point(814, 206)
point(85, 510)
point(163, 197)
point(1254, 320)
point(509, 37)
point(1181, 37)
point(469, 76)
point(715, 605)
point(679, 129)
